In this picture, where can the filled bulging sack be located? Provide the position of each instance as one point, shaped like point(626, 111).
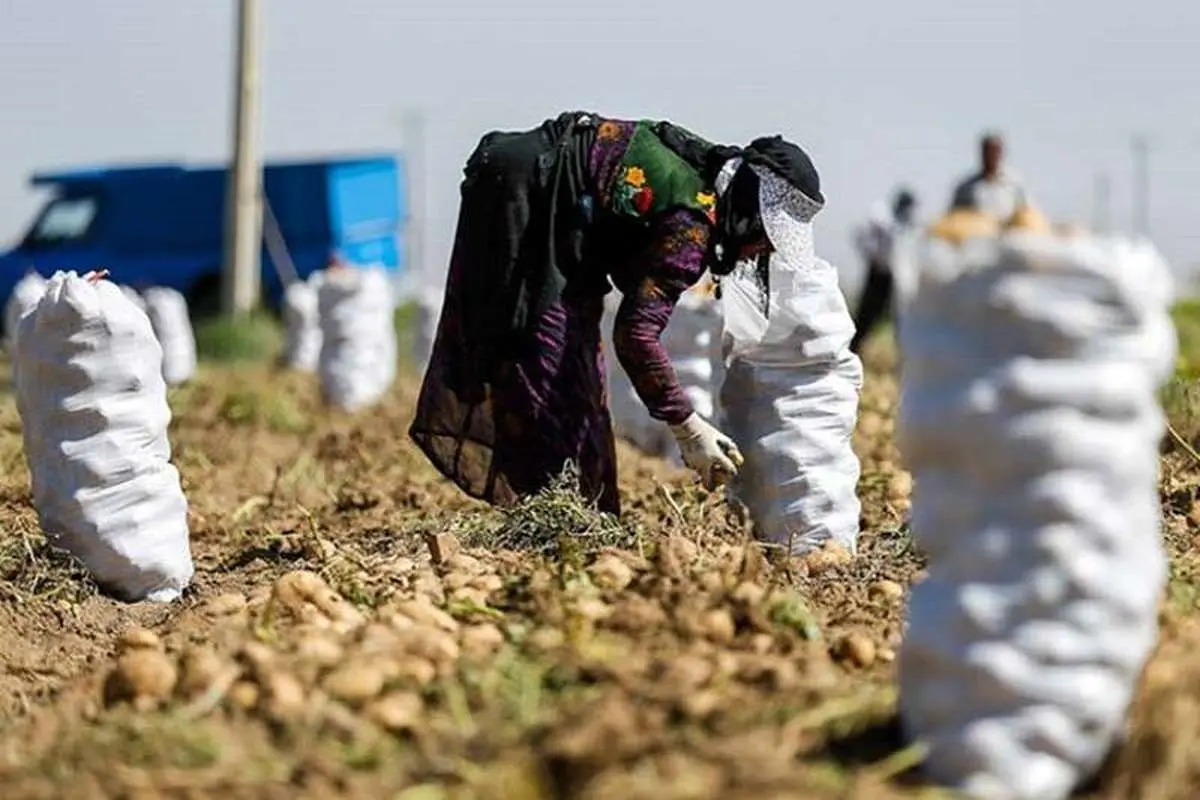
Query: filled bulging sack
point(358, 336)
point(24, 298)
point(1030, 421)
point(789, 399)
point(961, 224)
point(302, 324)
point(94, 414)
point(134, 296)
point(1030, 219)
point(168, 312)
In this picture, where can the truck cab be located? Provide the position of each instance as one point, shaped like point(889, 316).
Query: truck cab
point(163, 225)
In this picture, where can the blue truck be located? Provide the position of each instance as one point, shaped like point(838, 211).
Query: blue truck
point(163, 224)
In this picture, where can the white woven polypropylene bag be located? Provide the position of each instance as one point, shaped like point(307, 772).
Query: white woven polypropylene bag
point(302, 325)
point(358, 337)
point(94, 415)
point(25, 296)
point(168, 312)
point(1030, 421)
point(134, 296)
point(789, 399)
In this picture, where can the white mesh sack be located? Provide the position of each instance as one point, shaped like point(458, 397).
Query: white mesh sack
point(168, 312)
point(689, 340)
point(302, 324)
point(25, 296)
point(358, 337)
point(789, 399)
point(94, 417)
point(1030, 421)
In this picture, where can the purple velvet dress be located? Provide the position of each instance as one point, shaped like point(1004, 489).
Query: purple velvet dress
point(549, 407)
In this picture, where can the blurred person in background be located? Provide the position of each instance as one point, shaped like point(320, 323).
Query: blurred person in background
point(515, 386)
point(992, 190)
point(874, 241)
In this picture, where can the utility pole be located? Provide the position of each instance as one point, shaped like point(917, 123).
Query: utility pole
point(243, 221)
point(1141, 185)
point(414, 160)
point(1102, 203)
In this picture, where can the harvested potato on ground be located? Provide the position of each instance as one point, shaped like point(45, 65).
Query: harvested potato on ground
point(142, 677)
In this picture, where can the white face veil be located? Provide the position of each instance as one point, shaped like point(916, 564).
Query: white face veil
point(759, 299)
point(787, 215)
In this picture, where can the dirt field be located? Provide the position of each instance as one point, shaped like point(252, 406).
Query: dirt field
point(358, 629)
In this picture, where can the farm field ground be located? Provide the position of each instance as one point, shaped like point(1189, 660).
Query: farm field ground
point(359, 629)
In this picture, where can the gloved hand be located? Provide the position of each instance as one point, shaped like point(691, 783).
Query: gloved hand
point(707, 450)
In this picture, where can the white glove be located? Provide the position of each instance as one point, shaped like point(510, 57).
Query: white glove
point(707, 450)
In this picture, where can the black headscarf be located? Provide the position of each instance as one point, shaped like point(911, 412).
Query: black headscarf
point(789, 162)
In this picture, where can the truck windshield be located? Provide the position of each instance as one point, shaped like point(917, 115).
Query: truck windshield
point(65, 220)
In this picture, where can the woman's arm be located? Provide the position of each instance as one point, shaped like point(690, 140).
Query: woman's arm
point(673, 263)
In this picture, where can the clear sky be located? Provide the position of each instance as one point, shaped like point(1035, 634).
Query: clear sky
point(877, 91)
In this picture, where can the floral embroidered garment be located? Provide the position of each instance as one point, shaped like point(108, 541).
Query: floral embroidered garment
point(542, 401)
